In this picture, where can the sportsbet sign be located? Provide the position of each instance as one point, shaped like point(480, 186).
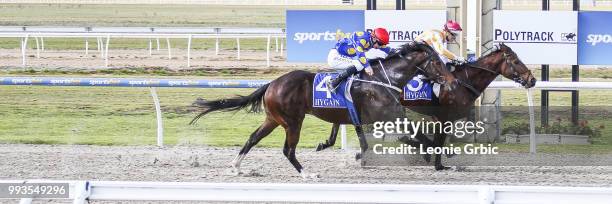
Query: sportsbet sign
point(549, 37)
point(311, 34)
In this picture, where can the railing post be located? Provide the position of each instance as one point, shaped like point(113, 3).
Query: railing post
point(169, 52)
point(216, 41)
point(24, 46)
point(158, 113)
point(86, 47)
point(189, 51)
point(532, 136)
point(268, 52)
point(238, 48)
point(37, 48)
point(106, 50)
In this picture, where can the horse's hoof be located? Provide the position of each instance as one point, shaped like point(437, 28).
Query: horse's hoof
point(233, 171)
point(427, 157)
point(450, 155)
point(307, 176)
point(357, 156)
point(440, 168)
point(320, 147)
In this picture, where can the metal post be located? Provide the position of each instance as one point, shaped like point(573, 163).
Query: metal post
point(106, 50)
point(158, 113)
point(276, 43)
point(400, 4)
point(268, 52)
point(189, 51)
point(371, 5)
point(169, 52)
point(238, 48)
point(575, 77)
point(42, 44)
point(545, 77)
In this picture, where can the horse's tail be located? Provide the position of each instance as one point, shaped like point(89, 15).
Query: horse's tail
point(254, 100)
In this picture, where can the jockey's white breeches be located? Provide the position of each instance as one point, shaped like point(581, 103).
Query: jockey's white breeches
point(339, 62)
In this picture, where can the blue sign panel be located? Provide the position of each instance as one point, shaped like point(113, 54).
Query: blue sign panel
point(311, 34)
point(594, 38)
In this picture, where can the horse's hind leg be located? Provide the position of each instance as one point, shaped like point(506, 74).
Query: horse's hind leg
point(264, 130)
point(293, 137)
point(332, 138)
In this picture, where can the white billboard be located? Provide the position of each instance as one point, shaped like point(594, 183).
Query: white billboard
point(538, 37)
point(403, 25)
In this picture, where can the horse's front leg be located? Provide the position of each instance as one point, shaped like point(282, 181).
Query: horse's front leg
point(439, 139)
point(363, 143)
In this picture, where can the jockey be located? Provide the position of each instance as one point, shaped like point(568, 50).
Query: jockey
point(438, 40)
point(352, 52)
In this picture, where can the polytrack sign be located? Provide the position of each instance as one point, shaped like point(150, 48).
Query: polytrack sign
point(538, 37)
point(404, 26)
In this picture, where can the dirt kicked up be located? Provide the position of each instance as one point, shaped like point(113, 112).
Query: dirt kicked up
point(212, 164)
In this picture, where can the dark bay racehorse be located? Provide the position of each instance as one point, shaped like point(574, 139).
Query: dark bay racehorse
point(288, 99)
point(456, 104)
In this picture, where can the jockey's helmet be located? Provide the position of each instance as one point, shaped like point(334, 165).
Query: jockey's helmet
point(453, 27)
point(381, 35)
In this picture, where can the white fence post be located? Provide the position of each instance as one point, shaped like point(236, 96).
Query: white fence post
point(150, 47)
point(238, 48)
point(532, 136)
point(189, 51)
point(86, 47)
point(42, 43)
point(169, 52)
point(268, 52)
point(160, 126)
point(37, 48)
point(106, 50)
point(24, 46)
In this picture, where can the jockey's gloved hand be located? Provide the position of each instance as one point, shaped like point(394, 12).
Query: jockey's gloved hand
point(460, 61)
point(369, 70)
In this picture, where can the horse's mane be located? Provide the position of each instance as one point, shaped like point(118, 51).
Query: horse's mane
point(407, 48)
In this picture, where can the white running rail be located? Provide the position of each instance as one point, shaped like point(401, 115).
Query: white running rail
point(81, 191)
point(103, 37)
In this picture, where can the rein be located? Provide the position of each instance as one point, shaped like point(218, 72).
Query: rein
point(474, 91)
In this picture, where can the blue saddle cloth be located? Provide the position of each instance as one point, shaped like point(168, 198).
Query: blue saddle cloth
point(418, 89)
point(323, 98)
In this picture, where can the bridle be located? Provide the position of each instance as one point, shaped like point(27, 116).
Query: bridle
point(516, 77)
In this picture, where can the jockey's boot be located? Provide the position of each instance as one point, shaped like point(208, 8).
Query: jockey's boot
point(333, 84)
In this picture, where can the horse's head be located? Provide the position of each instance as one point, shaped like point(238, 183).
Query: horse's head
point(426, 60)
point(513, 68)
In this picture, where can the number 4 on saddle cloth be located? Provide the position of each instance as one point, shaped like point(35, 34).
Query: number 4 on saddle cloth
point(323, 98)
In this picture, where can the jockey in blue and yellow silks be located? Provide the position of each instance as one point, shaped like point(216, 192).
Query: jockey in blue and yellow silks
point(349, 53)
